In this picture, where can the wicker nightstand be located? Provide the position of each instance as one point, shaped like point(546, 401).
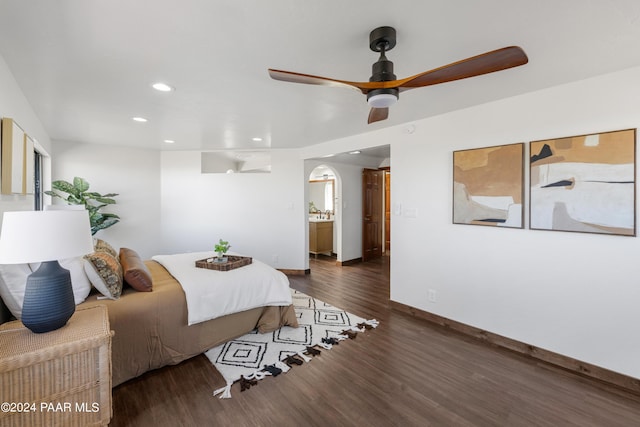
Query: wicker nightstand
point(60, 378)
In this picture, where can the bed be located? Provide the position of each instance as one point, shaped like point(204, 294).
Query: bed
point(168, 310)
point(152, 331)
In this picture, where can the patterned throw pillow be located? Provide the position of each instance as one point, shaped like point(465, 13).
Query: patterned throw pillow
point(105, 273)
point(102, 246)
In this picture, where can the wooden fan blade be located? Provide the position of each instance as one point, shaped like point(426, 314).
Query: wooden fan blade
point(378, 114)
point(489, 62)
point(496, 60)
point(290, 76)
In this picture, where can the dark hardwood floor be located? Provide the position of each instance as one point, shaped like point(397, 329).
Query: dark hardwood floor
point(407, 372)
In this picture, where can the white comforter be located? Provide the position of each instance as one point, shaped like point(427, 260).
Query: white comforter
point(212, 293)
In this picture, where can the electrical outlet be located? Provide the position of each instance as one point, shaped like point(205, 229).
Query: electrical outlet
point(432, 295)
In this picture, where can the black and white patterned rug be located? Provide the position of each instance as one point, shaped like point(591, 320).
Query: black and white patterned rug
point(250, 358)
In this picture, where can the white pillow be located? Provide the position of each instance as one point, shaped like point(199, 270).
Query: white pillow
point(79, 280)
point(13, 280)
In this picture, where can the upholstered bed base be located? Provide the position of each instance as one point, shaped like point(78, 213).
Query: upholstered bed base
point(151, 328)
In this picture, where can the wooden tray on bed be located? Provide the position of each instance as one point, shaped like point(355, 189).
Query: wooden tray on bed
point(233, 262)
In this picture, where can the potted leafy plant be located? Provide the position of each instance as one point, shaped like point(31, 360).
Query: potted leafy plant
point(78, 194)
point(221, 248)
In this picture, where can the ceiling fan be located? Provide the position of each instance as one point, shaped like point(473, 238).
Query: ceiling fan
point(383, 89)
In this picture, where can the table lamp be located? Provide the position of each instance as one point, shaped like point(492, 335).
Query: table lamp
point(46, 237)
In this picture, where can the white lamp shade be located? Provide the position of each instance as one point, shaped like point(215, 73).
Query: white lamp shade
point(38, 236)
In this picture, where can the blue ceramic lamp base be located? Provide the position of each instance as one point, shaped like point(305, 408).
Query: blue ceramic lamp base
point(48, 298)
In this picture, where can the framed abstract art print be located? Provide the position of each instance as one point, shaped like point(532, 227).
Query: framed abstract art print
point(584, 183)
point(488, 186)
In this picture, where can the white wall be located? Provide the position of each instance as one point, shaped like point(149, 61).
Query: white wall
point(13, 104)
point(261, 215)
point(572, 293)
point(132, 173)
point(167, 205)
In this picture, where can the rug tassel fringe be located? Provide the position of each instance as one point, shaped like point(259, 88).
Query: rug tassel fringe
point(313, 351)
point(290, 360)
point(245, 383)
point(349, 334)
point(256, 375)
point(272, 369)
point(369, 324)
point(282, 366)
point(325, 345)
point(373, 322)
point(302, 355)
point(226, 391)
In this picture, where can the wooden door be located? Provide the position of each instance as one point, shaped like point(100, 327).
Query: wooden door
point(372, 213)
point(387, 211)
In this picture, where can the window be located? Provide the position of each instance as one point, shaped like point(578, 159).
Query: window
point(37, 181)
point(328, 196)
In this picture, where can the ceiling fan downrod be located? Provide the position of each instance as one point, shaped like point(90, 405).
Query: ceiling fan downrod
point(381, 40)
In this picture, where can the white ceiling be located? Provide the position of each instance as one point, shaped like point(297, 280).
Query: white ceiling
point(86, 66)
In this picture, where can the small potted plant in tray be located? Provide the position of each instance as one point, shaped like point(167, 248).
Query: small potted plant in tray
point(221, 248)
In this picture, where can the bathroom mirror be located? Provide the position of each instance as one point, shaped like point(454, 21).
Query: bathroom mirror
point(321, 195)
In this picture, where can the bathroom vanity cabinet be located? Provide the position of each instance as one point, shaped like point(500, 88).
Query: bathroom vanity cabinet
point(320, 237)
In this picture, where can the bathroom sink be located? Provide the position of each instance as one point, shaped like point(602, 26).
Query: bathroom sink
point(315, 219)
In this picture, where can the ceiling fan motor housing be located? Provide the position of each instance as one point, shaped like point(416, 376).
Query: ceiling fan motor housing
point(382, 71)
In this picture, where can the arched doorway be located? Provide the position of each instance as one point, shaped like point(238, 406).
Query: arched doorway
point(324, 212)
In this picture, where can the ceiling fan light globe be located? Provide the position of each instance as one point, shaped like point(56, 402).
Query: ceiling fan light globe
point(382, 100)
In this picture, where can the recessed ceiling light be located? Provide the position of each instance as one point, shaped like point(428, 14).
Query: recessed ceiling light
point(162, 87)
point(256, 139)
point(355, 152)
point(169, 141)
point(139, 119)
